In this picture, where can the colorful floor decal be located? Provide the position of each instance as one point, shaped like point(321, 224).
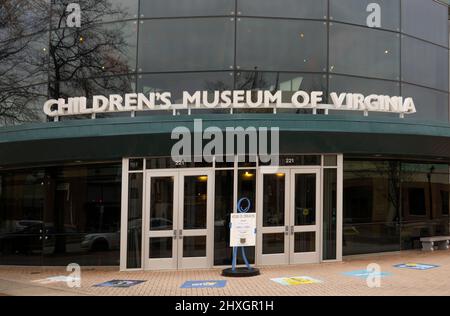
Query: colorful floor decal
point(364, 274)
point(416, 266)
point(120, 283)
point(298, 280)
point(204, 284)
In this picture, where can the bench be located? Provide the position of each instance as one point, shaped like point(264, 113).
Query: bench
point(428, 243)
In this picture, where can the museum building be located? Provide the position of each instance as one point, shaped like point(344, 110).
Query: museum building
point(87, 172)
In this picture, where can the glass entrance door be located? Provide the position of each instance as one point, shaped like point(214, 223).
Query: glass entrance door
point(304, 216)
point(178, 215)
point(289, 218)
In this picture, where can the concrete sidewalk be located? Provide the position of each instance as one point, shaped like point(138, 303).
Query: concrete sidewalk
point(29, 280)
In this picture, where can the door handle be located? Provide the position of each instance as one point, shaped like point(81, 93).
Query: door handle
point(286, 230)
point(292, 230)
point(181, 234)
point(174, 234)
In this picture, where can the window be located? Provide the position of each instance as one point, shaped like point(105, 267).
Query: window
point(430, 104)
point(416, 199)
point(425, 19)
point(310, 9)
point(364, 52)
point(281, 45)
point(177, 8)
point(422, 63)
point(186, 44)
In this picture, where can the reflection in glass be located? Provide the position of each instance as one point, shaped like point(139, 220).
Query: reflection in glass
point(274, 199)
point(273, 244)
point(176, 8)
point(310, 9)
point(305, 242)
point(223, 207)
point(347, 84)
point(371, 238)
point(430, 104)
point(301, 48)
point(177, 83)
point(329, 214)
point(134, 226)
point(433, 28)
point(422, 63)
point(194, 246)
point(100, 50)
point(94, 12)
point(305, 199)
point(160, 248)
point(381, 48)
point(195, 202)
point(164, 46)
point(161, 203)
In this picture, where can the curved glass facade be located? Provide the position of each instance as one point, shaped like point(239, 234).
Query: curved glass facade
point(153, 45)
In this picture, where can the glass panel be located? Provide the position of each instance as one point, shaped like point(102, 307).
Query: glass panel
point(347, 84)
point(160, 248)
point(288, 83)
point(296, 160)
point(273, 244)
point(273, 200)
point(22, 196)
point(433, 28)
point(136, 164)
point(329, 213)
point(82, 215)
point(370, 238)
point(305, 242)
point(101, 50)
point(223, 207)
point(94, 12)
point(177, 8)
point(305, 199)
point(425, 190)
point(161, 203)
point(27, 107)
point(330, 160)
point(164, 46)
point(301, 48)
point(169, 163)
point(430, 104)
point(177, 83)
point(422, 63)
point(356, 12)
point(195, 202)
point(134, 236)
point(380, 48)
point(371, 191)
point(23, 18)
point(311, 9)
point(194, 246)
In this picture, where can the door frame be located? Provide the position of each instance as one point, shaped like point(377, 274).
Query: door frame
point(289, 257)
point(178, 232)
point(306, 257)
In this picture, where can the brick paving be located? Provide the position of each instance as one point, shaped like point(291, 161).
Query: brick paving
point(21, 280)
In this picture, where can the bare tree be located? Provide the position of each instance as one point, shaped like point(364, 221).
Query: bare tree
point(40, 57)
point(21, 24)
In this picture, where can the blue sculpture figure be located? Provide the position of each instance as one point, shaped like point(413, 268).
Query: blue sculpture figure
point(241, 209)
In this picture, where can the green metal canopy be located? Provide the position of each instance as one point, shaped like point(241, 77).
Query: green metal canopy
point(114, 138)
